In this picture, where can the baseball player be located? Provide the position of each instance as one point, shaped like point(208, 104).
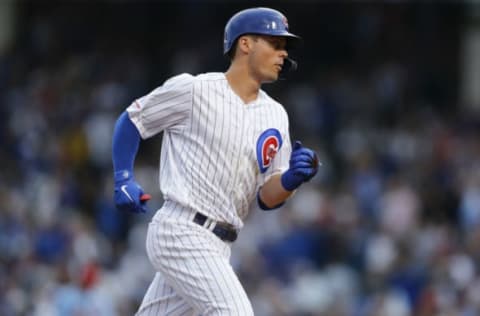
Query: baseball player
point(225, 144)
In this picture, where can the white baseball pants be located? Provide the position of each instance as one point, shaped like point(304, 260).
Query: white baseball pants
point(194, 275)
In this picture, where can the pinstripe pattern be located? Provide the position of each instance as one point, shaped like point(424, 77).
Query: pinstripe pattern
point(195, 276)
point(208, 159)
point(208, 164)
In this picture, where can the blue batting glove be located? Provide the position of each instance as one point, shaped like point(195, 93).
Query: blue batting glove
point(129, 195)
point(303, 167)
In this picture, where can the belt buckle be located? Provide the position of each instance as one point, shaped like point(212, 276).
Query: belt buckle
point(209, 224)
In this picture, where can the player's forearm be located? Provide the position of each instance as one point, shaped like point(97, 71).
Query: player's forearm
point(273, 194)
point(126, 140)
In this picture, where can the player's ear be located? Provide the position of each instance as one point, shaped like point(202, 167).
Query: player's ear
point(245, 43)
point(242, 44)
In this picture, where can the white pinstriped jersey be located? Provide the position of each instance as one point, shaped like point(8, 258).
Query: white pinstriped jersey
point(217, 151)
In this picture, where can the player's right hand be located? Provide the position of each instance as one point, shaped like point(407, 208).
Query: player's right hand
point(129, 196)
point(303, 166)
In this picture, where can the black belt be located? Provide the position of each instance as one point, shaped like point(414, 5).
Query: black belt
point(223, 231)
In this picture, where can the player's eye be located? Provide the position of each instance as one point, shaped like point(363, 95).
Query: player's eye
point(277, 43)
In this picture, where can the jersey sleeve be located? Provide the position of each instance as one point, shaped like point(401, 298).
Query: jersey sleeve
point(166, 107)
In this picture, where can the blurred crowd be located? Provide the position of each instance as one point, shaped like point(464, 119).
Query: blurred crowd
point(389, 227)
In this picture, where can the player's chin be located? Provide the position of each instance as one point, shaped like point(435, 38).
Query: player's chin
point(272, 77)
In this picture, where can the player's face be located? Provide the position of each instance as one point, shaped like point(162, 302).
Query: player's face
point(267, 57)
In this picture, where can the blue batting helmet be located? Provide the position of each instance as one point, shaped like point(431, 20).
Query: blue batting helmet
point(262, 21)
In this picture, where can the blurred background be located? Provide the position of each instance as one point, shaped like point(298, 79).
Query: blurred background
point(387, 92)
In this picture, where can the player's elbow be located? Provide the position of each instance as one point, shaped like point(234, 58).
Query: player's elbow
point(266, 206)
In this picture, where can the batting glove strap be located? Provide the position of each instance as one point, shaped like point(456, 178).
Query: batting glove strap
point(290, 181)
point(122, 176)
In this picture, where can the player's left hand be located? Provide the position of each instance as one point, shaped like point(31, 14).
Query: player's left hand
point(303, 167)
point(129, 196)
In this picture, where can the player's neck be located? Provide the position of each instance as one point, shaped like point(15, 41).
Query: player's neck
point(242, 84)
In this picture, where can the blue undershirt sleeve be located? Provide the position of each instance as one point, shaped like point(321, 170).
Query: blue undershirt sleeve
point(126, 140)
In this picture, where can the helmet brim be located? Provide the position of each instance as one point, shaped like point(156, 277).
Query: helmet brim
point(293, 41)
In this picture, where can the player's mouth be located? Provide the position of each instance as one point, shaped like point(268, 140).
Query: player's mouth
point(279, 67)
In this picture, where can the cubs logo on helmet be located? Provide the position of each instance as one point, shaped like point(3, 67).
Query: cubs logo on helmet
point(268, 144)
point(285, 22)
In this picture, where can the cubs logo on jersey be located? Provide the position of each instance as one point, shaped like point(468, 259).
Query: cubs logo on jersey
point(268, 144)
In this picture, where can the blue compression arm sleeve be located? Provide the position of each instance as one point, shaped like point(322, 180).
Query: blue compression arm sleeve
point(126, 140)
